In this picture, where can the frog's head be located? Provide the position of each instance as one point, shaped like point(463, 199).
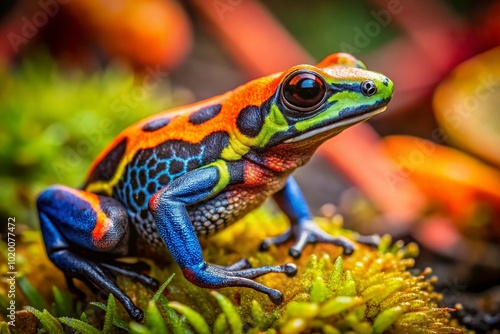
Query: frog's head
point(310, 104)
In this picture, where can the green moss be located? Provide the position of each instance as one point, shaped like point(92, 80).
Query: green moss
point(54, 123)
point(370, 291)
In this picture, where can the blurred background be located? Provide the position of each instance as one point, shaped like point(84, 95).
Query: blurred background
point(74, 73)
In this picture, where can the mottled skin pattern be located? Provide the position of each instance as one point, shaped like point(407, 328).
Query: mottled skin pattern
point(193, 171)
point(152, 169)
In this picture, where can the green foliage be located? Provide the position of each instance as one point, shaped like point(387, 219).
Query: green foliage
point(63, 303)
point(195, 319)
point(34, 299)
point(48, 321)
point(55, 123)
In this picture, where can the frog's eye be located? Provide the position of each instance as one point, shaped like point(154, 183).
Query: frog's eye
point(303, 91)
point(368, 88)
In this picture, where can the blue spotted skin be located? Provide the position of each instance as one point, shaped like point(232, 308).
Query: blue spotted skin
point(153, 169)
point(177, 176)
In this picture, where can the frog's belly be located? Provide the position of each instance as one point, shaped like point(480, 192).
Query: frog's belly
point(210, 216)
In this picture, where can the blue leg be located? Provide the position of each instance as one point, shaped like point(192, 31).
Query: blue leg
point(84, 234)
point(172, 221)
point(303, 229)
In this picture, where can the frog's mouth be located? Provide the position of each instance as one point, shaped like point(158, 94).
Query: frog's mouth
point(337, 126)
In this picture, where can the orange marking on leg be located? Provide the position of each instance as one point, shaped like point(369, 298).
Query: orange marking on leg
point(102, 226)
point(103, 223)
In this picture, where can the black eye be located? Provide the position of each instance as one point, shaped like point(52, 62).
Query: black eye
point(303, 91)
point(368, 88)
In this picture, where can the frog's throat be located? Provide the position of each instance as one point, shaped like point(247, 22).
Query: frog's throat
point(343, 124)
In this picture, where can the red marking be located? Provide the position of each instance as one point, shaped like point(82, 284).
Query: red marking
point(153, 201)
point(336, 59)
point(189, 275)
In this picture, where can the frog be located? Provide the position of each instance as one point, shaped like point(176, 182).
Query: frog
point(187, 173)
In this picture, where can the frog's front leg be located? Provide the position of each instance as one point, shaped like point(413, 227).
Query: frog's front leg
point(84, 234)
point(303, 229)
point(174, 226)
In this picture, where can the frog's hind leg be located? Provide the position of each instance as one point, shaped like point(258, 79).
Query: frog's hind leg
point(84, 233)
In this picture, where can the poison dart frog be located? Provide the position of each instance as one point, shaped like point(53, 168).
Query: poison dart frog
point(194, 170)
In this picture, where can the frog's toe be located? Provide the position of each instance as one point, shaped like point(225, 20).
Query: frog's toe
point(289, 269)
point(138, 266)
point(276, 297)
point(348, 246)
point(240, 265)
point(136, 314)
point(277, 240)
point(295, 252)
point(117, 268)
point(310, 233)
point(348, 249)
point(370, 240)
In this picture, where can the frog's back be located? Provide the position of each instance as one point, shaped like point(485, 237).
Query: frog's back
point(151, 153)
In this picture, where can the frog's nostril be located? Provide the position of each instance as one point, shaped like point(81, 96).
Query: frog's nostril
point(368, 88)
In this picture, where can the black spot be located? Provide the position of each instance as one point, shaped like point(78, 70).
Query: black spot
point(176, 166)
point(134, 183)
point(141, 198)
point(152, 173)
point(161, 166)
point(151, 187)
point(156, 124)
point(192, 164)
point(250, 121)
point(151, 163)
point(105, 170)
point(144, 214)
point(142, 178)
point(205, 114)
point(164, 180)
point(216, 142)
point(237, 171)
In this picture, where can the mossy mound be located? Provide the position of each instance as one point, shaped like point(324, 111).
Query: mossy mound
point(370, 291)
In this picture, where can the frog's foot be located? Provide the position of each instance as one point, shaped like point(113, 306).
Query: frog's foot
point(84, 233)
point(307, 232)
point(100, 277)
point(241, 264)
point(213, 276)
point(114, 268)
